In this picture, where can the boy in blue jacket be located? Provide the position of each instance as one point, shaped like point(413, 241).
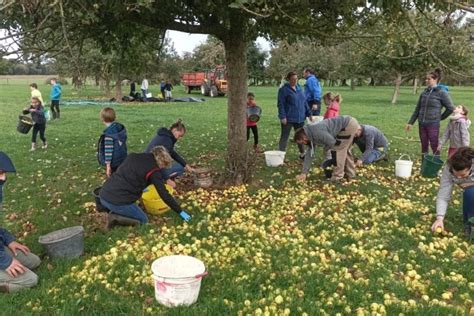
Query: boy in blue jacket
point(55, 96)
point(112, 147)
point(16, 260)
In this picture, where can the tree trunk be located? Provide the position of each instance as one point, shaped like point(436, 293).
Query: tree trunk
point(118, 90)
point(415, 86)
point(396, 92)
point(372, 82)
point(236, 62)
point(352, 84)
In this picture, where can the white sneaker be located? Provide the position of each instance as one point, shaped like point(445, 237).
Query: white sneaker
point(45, 146)
point(33, 147)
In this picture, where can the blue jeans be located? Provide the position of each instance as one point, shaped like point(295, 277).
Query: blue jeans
point(129, 210)
point(175, 169)
point(144, 92)
point(374, 155)
point(468, 204)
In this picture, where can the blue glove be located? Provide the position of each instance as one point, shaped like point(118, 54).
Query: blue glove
point(185, 216)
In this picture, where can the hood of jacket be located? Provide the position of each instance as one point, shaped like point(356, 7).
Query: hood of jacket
point(116, 131)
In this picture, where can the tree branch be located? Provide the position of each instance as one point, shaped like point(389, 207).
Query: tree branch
point(461, 6)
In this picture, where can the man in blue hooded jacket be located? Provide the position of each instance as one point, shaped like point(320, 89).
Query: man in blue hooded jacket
point(312, 91)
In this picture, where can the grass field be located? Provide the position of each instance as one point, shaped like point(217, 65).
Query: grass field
point(273, 247)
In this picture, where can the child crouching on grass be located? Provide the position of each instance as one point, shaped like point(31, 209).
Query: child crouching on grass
point(112, 147)
point(457, 131)
point(37, 115)
point(16, 260)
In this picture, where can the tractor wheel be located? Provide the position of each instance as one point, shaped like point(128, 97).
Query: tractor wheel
point(204, 89)
point(214, 92)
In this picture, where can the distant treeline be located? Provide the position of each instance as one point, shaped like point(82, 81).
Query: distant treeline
point(14, 67)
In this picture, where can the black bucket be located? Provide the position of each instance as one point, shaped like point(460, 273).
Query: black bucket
point(98, 206)
point(25, 123)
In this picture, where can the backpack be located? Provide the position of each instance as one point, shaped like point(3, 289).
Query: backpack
point(119, 154)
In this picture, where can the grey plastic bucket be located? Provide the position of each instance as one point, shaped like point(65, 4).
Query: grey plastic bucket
point(64, 243)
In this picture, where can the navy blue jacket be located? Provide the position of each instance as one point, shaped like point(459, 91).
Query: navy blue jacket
point(165, 138)
point(5, 239)
point(118, 133)
point(292, 104)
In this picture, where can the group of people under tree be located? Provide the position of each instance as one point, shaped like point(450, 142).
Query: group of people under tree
point(129, 174)
point(165, 89)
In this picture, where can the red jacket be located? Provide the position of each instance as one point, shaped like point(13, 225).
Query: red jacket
point(332, 110)
point(251, 104)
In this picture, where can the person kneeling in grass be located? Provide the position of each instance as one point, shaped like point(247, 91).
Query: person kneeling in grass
point(16, 260)
point(125, 187)
point(372, 143)
point(460, 171)
point(335, 134)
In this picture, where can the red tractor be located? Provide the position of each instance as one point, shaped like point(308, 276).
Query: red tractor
point(211, 82)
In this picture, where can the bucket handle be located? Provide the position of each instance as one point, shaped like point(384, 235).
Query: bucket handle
point(201, 275)
point(400, 158)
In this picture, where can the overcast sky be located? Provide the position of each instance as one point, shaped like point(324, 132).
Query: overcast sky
point(184, 42)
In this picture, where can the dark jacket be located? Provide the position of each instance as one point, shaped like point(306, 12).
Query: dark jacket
point(371, 138)
point(126, 185)
point(5, 239)
point(292, 104)
point(429, 106)
point(38, 115)
point(118, 133)
point(165, 138)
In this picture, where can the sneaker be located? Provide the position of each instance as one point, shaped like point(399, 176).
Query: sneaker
point(33, 147)
point(45, 145)
point(302, 156)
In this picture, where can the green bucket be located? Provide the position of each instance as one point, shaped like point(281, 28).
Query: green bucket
point(430, 166)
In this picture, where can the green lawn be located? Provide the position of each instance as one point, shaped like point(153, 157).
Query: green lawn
point(273, 247)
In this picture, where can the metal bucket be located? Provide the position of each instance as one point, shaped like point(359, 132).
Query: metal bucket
point(254, 113)
point(64, 243)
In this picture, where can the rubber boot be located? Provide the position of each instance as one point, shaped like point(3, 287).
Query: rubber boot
point(33, 147)
point(118, 220)
point(54, 115)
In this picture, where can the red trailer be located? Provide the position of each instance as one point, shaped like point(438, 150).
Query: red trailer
point(211, 82)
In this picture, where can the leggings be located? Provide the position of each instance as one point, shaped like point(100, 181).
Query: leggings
point(285, 134)
point(55, 108)
point(468, 204)
point(429, 137)
point(254, 132)
point(38, 128)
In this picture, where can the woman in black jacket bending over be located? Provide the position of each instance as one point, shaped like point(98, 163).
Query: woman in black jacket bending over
point(126, 185)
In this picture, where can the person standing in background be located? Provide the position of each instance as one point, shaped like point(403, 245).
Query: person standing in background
point(312, 92)
point(144, 89)
point(35, 92)
point(55, 96)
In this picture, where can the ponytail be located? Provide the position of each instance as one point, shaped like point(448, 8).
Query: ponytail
point(330, 96)
point(179, 125)
point(462, 159)
point(162, 157)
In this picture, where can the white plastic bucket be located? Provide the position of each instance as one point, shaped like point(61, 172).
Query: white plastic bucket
point(315, 120)
point(274, 158)
point(177, 280)
point(403, 167)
